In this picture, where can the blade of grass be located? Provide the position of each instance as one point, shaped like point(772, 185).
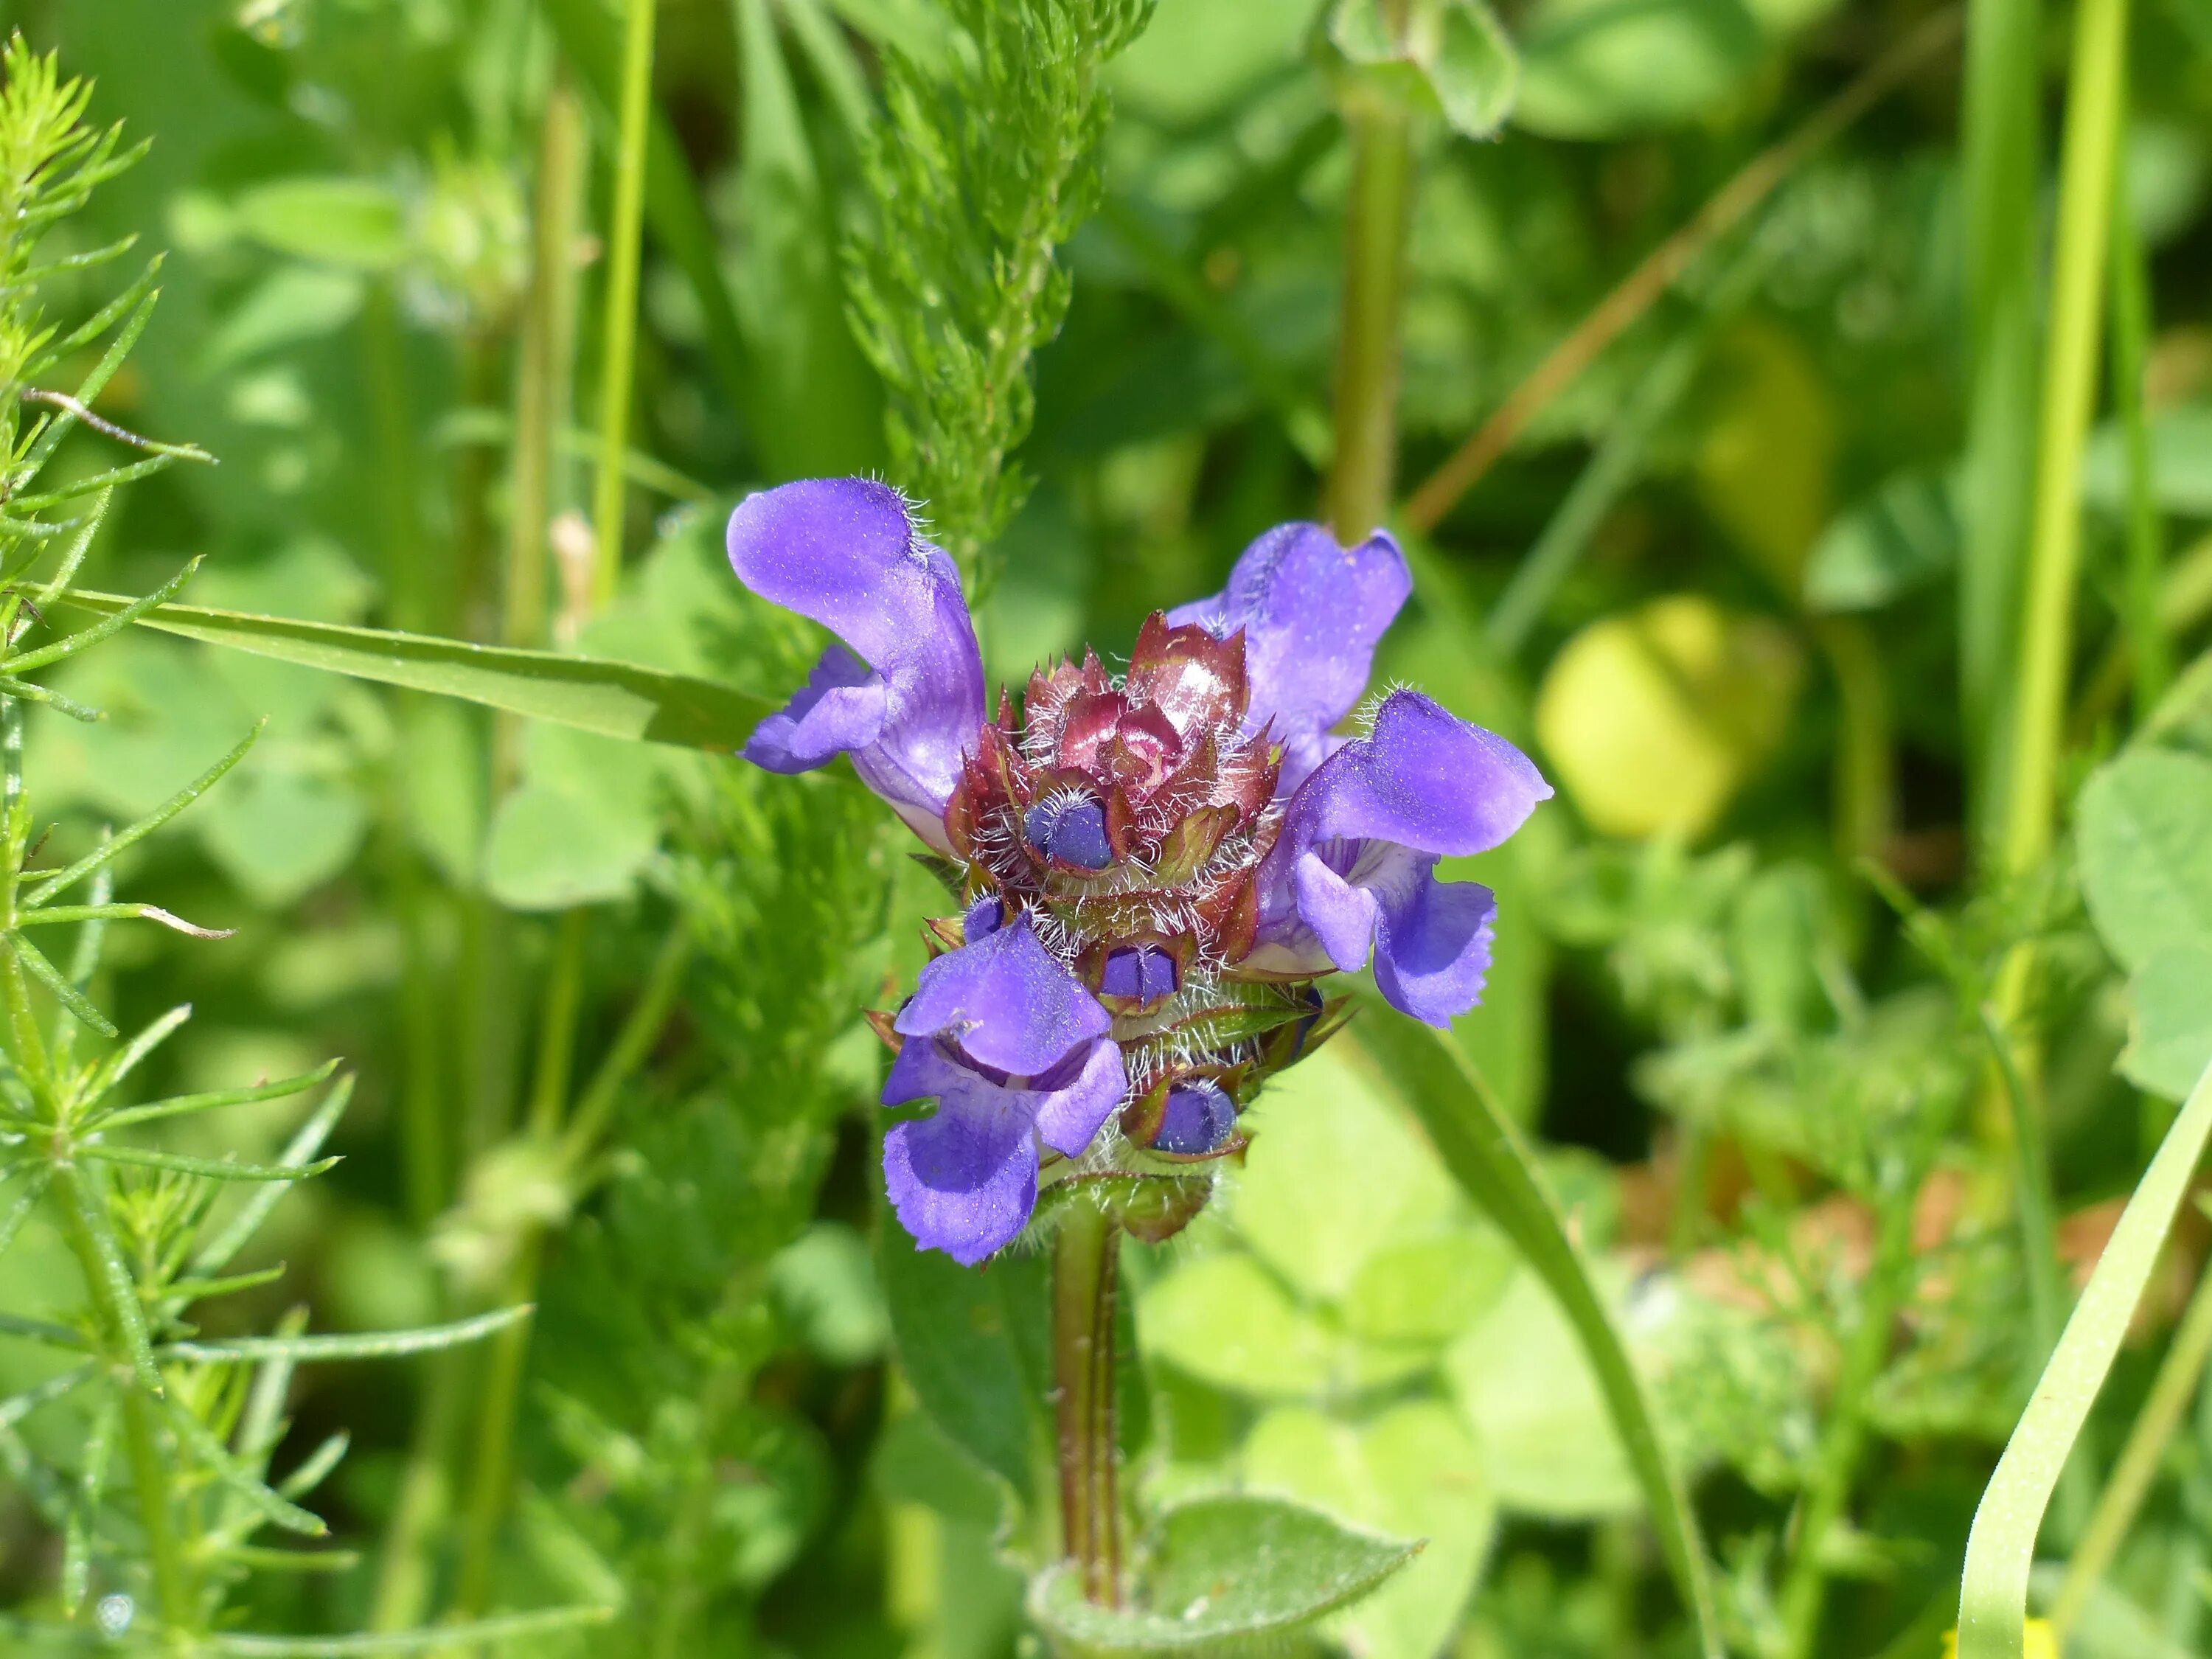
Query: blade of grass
point(2147, 646)
point(2172, 1393)
point(2000, 1548)
point(618, 328)
point(179, 1105)
point(1485, 1153)
point(213, 1169)
point(369, 1345)
point(619, 700)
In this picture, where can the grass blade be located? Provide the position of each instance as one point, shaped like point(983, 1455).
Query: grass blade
point(371, 1345)
point(510, 1627)
point(2001, 1548)
point(619, 700)
point(213, 1168)
point(177, 1105)
point(64, 878)
point(1485, 1155)
point(215, 1255)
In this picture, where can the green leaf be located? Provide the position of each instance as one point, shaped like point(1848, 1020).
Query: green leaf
point(346, 222)
point(2001, 1545)
point(1895, 542)
point(974, 1346)
point(213, 1168)
point(369, 1345)
point(1603, 68)
point(1227, 1320)
point(2170, 1020)
point(1411, 1472)
point(581, 827)
point(1219, 1572)
point(619, 700)
point(1485, 1152)
point(2146, 858)
point(511, 1627)
point(1465, 71)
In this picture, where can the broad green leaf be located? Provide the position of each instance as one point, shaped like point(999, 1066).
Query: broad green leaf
point(618, 700)
point(974, 1346)
point(2180, 460)
point(1227, 1320)
point(1427, 1291)
point(914, 1464)
point(278, 831)
point(1336, 1172)
point(1485, 1152)
point(2146, 858)
point(2170, 1020)
point(1895, 542)
point(824, 1284)
point(292, 304)
point(1522, 1379)
point(1198, 57)
point(1219, 1572)
point(1412, 1472)
point(1463, 69)
point(582, 825)
point(352, 222)
point(1602, 68)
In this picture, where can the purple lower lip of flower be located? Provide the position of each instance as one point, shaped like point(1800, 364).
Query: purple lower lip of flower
point(983, 918)
point(1073, 831)
point(1196, 1119)
point(1142, 972)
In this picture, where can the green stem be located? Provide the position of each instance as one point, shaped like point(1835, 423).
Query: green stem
point(1999, 156)
point(1378, 218)
point(1082, 1316)
point(2032, 1202)
point(617, 362)
point(150, 1468)
point(2001, 1547)
point(1843, 1441)
point(406, 1568)
point(2151, 654)
point(2083, 249)
point(2171, 1395)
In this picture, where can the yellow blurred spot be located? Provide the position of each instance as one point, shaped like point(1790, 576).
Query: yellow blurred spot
point(2042, 1641)
point(1654, 718)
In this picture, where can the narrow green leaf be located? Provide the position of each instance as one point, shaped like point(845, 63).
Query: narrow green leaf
point(219, 1457)
point(88, 1203)
point(41, 1330)
point(216, 1254)
point(262, 1559)
point(369, 1345)
point(108, 625)
point(79, 1005)
point(84, 1511)
point(67, 914)
point(129, 473)
point(124, 1061)
point(64, 878)
point(19, 1209)
point(2001, 1547)
point(179, 1105)
point(315, 1467)
point(17, 1406)
point(512, 1627)
point(214, 1168)
point(1483, 1150)
point(1220, 1572)
point(45, 697)
point(93, 385)
point(201, 1290)
point(618, 699)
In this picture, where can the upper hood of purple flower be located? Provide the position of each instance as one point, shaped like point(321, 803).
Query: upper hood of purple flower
point(904, 694)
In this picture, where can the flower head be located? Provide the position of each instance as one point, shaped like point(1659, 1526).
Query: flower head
point(1156, 866)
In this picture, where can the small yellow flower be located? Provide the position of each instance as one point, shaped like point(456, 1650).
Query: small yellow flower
point(2042, 1641)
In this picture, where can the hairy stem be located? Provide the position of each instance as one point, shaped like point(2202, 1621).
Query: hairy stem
point(1083, 1312)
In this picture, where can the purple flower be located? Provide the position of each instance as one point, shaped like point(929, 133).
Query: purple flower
point(1015, 1052)
point(1155, 866)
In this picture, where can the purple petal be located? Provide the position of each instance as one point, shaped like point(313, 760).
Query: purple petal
point(1141, 971)
point(1007, 1001)
point(983, 918)
point(845, 553)
point(841, 709)
point(1312, 612)
point(1197, 1118)
point(1353, 872)
point(964, 1179)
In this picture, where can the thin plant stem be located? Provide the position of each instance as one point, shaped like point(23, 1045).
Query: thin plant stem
point(2171, 1395)
point(2032, 1202)
point(1636, 294)
point(1378, 220)
point(1083, 1337)
point(2001, 118)
point(1803, 1595)
point(2001, 1545)
point(2082, 251)
point(619, 335)
point(2148, 648)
